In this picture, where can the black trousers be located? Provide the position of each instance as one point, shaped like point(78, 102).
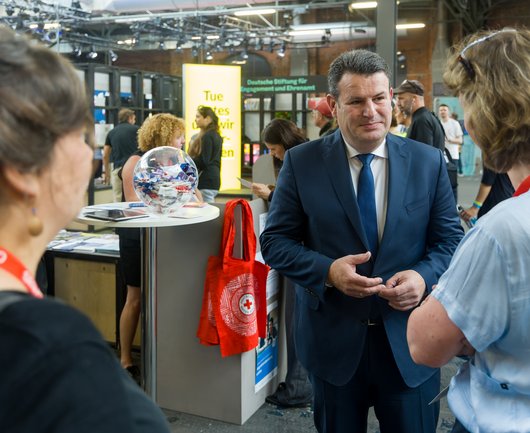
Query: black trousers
point(378, 383)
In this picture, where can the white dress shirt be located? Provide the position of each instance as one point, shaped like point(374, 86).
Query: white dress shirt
point(379, 168)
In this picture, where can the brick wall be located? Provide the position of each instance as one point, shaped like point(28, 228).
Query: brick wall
point(417, 45)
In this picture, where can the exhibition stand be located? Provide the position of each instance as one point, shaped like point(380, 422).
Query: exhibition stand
point(178, 372)
point(150, 231)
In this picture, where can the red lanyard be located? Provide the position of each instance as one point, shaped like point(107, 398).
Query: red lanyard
point(14, 266)
point(525, 186)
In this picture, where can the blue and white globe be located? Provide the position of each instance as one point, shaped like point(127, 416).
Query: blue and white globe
point(165, 179)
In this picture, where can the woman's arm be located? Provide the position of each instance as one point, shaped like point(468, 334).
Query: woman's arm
point(432, 337)
point(127, 178)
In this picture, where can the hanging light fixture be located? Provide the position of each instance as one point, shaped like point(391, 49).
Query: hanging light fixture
point(92, 54)
point(208, 55)
point(113, 56)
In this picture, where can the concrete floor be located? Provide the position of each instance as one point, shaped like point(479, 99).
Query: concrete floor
point(269, 419)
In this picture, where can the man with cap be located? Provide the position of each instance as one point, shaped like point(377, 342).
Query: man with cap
point(323, 118)
point(425, 127)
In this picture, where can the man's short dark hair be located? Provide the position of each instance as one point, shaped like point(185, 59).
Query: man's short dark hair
point(361, 62)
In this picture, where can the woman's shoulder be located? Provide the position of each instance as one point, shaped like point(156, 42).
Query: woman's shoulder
point(212, 134)
point(48, 321)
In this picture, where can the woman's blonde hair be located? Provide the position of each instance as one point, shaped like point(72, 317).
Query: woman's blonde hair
point(159, 130)
point(490, 72)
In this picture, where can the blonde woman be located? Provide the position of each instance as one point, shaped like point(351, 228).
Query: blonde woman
point(481, 305)
point(158, 130)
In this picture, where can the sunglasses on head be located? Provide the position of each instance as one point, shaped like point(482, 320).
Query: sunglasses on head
point(465, 62)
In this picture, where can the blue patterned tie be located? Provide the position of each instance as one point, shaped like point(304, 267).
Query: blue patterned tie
point(366, 202)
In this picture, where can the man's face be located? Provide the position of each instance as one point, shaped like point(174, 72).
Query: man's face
point(443, 112)
point(363, 109)
point(404, 101)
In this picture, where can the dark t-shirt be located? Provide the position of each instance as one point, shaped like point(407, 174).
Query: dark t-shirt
point(426, 128)
point(123, 140)
point(209, 161)
point(501, 189)
point(59, 376)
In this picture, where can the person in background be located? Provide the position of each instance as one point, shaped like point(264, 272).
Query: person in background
point(453, 134)
point(158, 130)
point(57, 372)
point(121, 142)
point(363, 246)
point(424, 126)
point(279, 136)
point(323, 118)
point(205, 149)
point(493, 188)
point(400, 122)
point(481, 305)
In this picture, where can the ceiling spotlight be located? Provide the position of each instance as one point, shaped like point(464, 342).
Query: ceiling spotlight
point(161, 45)
point(10, 10)
point(77, 51)
point(244, 54)
point(195, 52)
point(92, 54)
point(178, 47)
point(208, 55)
point(113, 56)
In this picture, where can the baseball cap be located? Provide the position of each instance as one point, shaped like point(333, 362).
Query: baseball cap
point(324, 109)
point(410, 86)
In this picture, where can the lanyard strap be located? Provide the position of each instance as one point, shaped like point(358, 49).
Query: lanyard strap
point(14, 266)
point(525, 186)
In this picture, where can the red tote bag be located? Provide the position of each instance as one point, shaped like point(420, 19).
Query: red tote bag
point(234, 309)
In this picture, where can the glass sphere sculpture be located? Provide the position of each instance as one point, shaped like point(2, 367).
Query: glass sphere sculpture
point(164, 179)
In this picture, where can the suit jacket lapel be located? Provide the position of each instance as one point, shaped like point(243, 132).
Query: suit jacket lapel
point(398, 173)
point(337, 166)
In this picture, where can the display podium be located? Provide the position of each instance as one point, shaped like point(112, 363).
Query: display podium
point(180, 373)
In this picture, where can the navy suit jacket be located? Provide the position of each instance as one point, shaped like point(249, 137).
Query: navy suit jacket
point(314, 219)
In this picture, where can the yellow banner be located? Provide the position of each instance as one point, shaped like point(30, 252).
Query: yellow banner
point(218, 87)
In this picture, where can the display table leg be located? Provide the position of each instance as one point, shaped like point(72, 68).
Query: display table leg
point(149, 316)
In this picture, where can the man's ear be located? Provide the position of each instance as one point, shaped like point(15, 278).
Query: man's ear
point(25, 183)
point(332, 103)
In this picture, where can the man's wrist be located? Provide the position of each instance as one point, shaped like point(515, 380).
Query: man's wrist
point(477, 204)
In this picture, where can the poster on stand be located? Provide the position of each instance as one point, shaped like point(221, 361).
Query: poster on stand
point(267, 350)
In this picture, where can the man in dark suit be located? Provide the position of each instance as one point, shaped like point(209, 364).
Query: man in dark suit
point(358, 276)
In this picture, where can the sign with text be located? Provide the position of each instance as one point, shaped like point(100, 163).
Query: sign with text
point(217, 87)
point(267, 85)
